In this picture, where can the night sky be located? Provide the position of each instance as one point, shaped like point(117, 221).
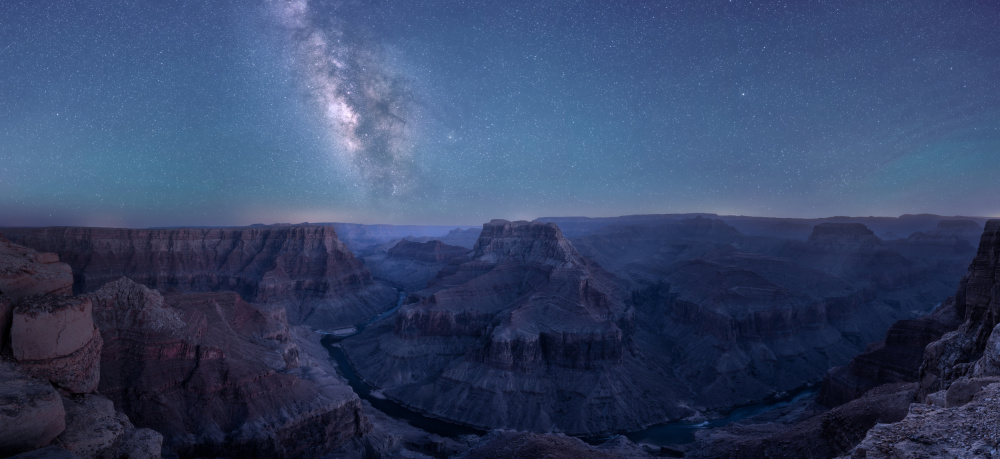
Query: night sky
point(142, 113)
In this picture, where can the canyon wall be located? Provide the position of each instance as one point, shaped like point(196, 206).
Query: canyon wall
point(305, 269)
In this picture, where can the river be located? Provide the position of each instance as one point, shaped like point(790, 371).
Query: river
point(666, 434)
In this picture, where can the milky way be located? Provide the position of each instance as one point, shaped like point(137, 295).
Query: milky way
point(191, 112)
point(367, 108)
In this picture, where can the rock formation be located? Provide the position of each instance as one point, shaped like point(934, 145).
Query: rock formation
point(410, 265)
point(959, 379)
point(217, 375)
point(54, 338)
point(53, 341)
point(305, 269)
point(31, 412)
point(25, 272)
point(954, 397)
point(527, 334)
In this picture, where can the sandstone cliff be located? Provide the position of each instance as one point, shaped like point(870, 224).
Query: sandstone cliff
point(219, 376)
point(306, 269)
point(51, 351)
point(955, 413)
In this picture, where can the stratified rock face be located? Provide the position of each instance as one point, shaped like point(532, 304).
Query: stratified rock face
point(895, 359)
point(217, 376)
point(978, 302)
point(305, 269)
point(31, 412)
point(25, 272)
point(527, 334)
point(54, 338)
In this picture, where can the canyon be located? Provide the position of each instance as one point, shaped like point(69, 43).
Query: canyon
point(203, 340)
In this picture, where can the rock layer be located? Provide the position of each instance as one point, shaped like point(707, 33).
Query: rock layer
point(54, 338)
point(217, 375)
point(527, 334)
point(304, 268)
point(25, 272)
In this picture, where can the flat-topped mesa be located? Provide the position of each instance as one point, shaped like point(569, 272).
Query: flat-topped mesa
point(304, 268)
point(958, 226)
point(843, 234)
point(527, 241)
point(431, 251)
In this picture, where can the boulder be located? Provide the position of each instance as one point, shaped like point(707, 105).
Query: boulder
point(31, 412)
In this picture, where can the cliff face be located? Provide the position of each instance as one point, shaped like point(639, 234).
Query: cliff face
point(305, 269)
point(977, 301)
point(49, 341)
point(217, 375)
point(955, 414)
point(527, 334)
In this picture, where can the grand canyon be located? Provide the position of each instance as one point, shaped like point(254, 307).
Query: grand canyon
point(479, 229)
point(688, 335)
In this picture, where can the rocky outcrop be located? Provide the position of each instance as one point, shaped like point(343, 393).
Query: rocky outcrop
point(978, 303)
point(305, 269)
point(218, 376)
point(970, 430)
point(54, 338)
point(95, 429)
point(895, 359)
point(25, 272)
point(823, 435)
point(31, 412)
point(527, 334)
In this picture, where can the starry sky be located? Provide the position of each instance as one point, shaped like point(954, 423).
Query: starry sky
point(166, 113)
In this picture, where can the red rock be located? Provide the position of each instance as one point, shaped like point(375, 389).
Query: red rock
point(24, 272)
point(31, 412)
point(218, 376)
point(303, 268)
point(46, 327)
point(54, 338)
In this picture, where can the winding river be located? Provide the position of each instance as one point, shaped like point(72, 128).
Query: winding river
point(666, 434)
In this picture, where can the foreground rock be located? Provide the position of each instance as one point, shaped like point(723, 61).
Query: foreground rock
point(25, 272)
point(304, 268)
point(95, 429)
point(31, 412)
point(219, 376)
point(54, 338)
point(969, 431)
